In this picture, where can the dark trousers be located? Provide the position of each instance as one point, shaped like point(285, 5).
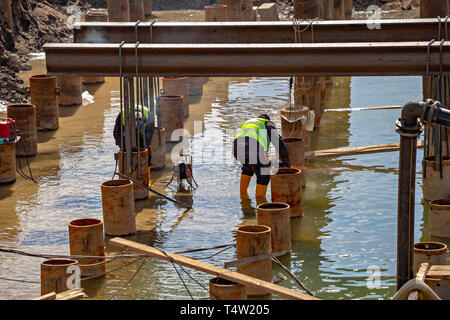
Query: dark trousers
point(253, 158)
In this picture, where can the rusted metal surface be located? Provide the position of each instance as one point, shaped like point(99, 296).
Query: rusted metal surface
point(7, 163)
point(71, 90)
point(296, 148)
point(54, 275)
point(339, 10)
point(43, 93)
point(348, 9)
point(86, 239)
point(254, 240)
point(439, 218)
point(25, 117)
point(286, 187)
point(434, 187)
point(216, 13)
point(142, 176)
point(247, 10)
point(292, 127)
point(118, 10)
point(119, 216)
point(234, 10)
point(172, 115)
point(221, 289)
point(159, 149)
point(137, 12)
point(177, 86)
point(95, 16)
point(196, 86)
point(433, 253)
point(328, 7)
point(434, 8)
point(277, 216)
point(335, 31)
point(350, 59)
point(306, 9)
point(148, 6)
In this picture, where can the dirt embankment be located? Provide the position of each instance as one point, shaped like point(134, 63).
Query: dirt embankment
point(35, 23)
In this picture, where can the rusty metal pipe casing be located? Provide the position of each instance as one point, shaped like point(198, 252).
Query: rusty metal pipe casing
point(118, 10)
point(54, 275)
point(7, 163)
point(141, 177)
point(178, 86)
point(71, 90)
point(137, 12)
point(286, 187)
point(348, 9)
point(221, 289)
point(234, 10)
point(439, 218)
point(118, 207)
point(254, 240)
point(196, 86)
point(159, 149)
point(95, 16)
point(216, 13)
point(277, 216)
point(434, 253)
point(148, 7)
point(44, 95)
point(172, 116)
point(296, 148)
point(434, 187)
point(25, 117)
point(247, 10)
point(86, 239)
point(433, 8)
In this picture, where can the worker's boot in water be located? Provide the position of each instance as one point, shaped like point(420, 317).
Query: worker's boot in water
point(261, 191)
point(246, 206)
point(245, 182)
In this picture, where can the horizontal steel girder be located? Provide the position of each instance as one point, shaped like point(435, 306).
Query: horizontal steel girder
point(347, 59)
point(338, 31)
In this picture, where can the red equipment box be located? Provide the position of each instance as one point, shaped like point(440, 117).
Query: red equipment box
point(7, 129)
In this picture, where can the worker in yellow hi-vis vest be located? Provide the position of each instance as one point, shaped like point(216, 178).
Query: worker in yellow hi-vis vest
point(251, 149)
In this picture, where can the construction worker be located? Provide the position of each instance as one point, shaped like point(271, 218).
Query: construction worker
point(251, 148)
point(146, 127)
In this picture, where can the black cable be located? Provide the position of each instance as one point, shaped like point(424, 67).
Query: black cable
point(179, 275)
point(131, 279)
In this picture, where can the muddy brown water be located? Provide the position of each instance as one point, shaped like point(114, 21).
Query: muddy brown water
point(346, 238)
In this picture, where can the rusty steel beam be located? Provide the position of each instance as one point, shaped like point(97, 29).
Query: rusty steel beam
point(337, 31)
point(348, 59)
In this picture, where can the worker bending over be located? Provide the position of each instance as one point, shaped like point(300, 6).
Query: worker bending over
point(251, 149)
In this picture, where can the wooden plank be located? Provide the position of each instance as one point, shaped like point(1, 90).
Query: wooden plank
point(439, 274)
point(48, 296)
point(75, 294)
point(210, 269)
point(363, 109)
point(71, 296)
point(421, 275)
point(240, 262)
point(321, 154)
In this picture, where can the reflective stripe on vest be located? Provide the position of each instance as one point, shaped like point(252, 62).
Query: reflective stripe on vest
point(139, 108)
point(255, 129)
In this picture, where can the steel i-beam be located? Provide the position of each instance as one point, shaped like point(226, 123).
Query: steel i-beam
point(337, 31)
point(346, 59)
